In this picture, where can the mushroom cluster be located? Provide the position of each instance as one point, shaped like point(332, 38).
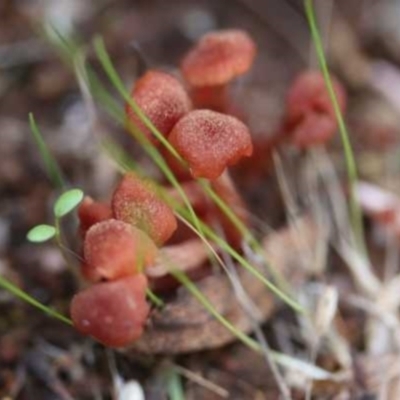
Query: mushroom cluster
point(125, 241)
point(120, 242)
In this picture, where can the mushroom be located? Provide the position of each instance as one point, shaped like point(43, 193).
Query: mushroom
point(213, 62)
point(310, 116)
point(114, 313)
point(162, 98)
point(210, 141)
point(136, 202)
point(114, 249)
point(90, 212)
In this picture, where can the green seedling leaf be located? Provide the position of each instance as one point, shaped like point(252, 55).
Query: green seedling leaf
point(350, 161)
point(67, 202)
point(41, 233)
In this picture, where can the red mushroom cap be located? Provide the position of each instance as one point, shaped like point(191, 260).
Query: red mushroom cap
point(162, 98)
point(309, 93)
point(219, 57)
point(114, 313)
point(311, 117)
point(136, 202)
point(210, 141)
point(90, 212)
point(114, 249)
point(314, 129)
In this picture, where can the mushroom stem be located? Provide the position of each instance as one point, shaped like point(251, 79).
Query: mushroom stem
point(211, 97)
point(225, 189)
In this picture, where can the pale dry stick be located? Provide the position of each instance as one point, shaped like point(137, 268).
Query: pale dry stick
point(320, 159)
point(201, 381)
point(346, 246)
point(291, 207)
point(386, 390)
point(325, 311)
point(320, 216)
point(389, 319)
point(254, 316)
point(389, 300)
point(361, 271)
point(392, 254)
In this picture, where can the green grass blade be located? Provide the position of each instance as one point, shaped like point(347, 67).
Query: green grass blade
point(355, 211)
point(210, 234)
point(148, 147)
point(174, 385)
point(17, 292)
point(52, 169)
point(193, 289)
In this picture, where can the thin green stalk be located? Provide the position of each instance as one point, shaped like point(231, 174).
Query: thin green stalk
point(156, 156)
point(174, 385)
point(281, 281)
point(158, 159)
point(51, 166)
point(154, 298)
point(254, 271)
point(193, 289)
point(16, 291)
point(355, 211)
point(152, 151)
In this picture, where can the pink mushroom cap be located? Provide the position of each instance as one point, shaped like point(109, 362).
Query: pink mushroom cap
point(114, 249)
point(210, 141)
point(114, 313)
point(219, 57)
point(136, 202)
point(162, 98)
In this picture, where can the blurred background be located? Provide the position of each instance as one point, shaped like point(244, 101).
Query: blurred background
point(362, 39)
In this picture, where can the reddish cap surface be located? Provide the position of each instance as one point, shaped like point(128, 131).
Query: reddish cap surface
point(219, 57)
point(314, 129)
point(136, 202)
point(311, 118)
point(163, 100)
point(209, 142)
point(114, 249)
point(308, 93)
point(90, 212)
point(114, 313)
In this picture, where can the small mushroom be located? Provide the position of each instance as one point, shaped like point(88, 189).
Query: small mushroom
point(136, 202)
point(310, 116)
point(213, 62)
point(114, 249)
point(162, 98)
point(114, 313)
point(90, 212)
point(210, 141)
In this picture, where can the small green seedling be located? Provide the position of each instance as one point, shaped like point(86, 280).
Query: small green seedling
point(67, 202)
point(63, 205)
point(41, 233)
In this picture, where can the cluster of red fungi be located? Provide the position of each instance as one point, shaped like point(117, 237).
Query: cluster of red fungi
point(194, 113)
